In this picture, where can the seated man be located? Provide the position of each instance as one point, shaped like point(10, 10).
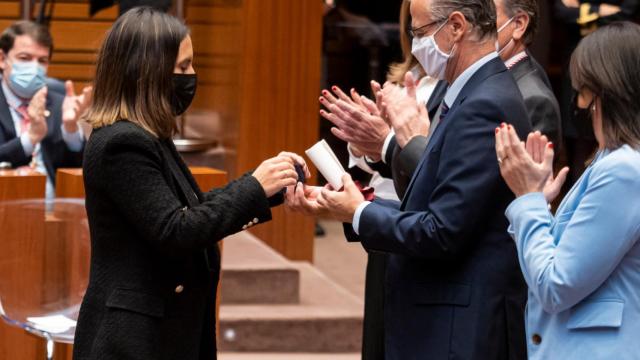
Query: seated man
point(38, 128)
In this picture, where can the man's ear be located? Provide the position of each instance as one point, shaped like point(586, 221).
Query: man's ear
point(459, 24)
point(521, 21)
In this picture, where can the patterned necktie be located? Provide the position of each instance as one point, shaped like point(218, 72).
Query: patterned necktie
point(444, 109)
point(25, 120)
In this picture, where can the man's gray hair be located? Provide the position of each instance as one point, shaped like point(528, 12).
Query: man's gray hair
point(529, 7)
point(481, 14)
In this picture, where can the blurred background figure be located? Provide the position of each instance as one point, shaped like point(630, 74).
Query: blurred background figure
point(39, 127)
point(578, 18)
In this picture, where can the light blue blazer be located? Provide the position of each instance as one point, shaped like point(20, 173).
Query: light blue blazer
point(582, 266)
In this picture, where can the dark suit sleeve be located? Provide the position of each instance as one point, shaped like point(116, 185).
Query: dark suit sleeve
point(384, 167)
point(468, 182)
point(351, 235)
point(409, 157)
point(13, 152)
point(135, 181)
point(545, 116)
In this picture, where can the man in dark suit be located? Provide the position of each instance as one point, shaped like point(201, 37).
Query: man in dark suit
point(517, 22)
point(453, 284)
point(38, 127)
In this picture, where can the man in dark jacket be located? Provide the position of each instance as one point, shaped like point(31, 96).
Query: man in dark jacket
point(37, 127)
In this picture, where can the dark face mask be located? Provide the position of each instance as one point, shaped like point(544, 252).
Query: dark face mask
point(184, 89)
point(581, 118)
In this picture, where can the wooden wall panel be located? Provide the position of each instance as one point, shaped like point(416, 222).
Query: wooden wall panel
point(259, 74)
point(279, 111)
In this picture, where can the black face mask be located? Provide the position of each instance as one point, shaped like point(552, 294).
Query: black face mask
point(581, 118)
point(184, 89)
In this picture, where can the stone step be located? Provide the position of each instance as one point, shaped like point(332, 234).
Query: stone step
point(253, 273)
point(328, 319)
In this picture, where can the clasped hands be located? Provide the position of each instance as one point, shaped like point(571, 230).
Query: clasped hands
point(528, 167)
point(365, 124)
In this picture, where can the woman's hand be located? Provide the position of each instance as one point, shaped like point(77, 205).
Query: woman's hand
point(357, 120)
point(279, 172)
point(536, 145)
point(520, 171)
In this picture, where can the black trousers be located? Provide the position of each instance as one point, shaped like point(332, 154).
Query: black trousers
point(373, 324)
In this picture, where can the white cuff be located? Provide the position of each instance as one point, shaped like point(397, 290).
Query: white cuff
point(385, 146)
point(27, 146)
point(75, 140)
point(360, 162)
point(356, 216)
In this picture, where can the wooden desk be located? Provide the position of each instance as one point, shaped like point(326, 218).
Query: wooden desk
point(15, 343)
point(21, 184)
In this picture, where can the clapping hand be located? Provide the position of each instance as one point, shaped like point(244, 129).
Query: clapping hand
point(407, 116)
point(536, 145)
point(37, 111)
point(527, 167)
point(74, 106)
point(357, 119)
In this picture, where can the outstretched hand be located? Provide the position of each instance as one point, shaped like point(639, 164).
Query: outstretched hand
point(342, 205)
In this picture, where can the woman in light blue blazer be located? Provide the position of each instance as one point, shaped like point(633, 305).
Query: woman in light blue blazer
point(582, 265)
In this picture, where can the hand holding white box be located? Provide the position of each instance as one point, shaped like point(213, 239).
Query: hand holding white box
point(327, 163)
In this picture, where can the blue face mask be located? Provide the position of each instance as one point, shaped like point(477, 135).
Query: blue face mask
point(26, 78)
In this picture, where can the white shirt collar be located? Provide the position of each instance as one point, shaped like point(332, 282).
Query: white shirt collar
point(462, 79)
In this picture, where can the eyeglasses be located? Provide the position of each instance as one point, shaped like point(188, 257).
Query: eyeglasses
point(421, 30)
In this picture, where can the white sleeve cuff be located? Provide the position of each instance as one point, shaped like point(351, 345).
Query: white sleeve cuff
point(27, 146)
point(75, 140)
point(385, 146)
point(356, 216)
point(358, 161)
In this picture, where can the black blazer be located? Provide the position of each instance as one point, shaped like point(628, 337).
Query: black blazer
point(453, 284)
point(542, 106)
point(154, 256)
point(55, 153)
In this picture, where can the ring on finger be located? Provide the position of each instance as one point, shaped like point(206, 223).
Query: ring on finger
point(500, 160)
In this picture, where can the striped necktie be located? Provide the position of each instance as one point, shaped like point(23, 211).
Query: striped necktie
point(25, 120)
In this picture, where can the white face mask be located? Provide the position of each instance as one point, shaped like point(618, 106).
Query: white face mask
point(432, 59)
point(510, 40)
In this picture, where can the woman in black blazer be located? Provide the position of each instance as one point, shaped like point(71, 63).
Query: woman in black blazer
point(154, 257)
